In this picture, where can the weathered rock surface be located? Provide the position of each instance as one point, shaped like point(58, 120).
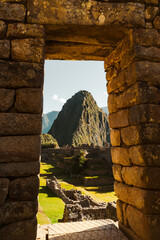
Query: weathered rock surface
point(28, 100)
point(20, 74)
point(8, 99)
point(20, 124)
point(115, 137)
point(19, 230)
point(24, 189)
point(3, 28)
point(145, 200)
point(120, 156)
point(146, 226)
point(19, 169)
point(4, 49)
point(17, 211)
point(20, 148)
point(12, 12)
point(143, 177)
point(28, 50)
point(21, 30)
point(132, 135)
point(145, 155)
point(4, 185)
point(81, 122)
point(85, 13)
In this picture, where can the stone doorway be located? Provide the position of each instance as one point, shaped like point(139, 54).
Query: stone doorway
point(126, 36)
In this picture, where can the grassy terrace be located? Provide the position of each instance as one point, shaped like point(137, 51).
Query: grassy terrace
point(51, 208)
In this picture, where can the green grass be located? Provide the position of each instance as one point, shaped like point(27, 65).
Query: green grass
point(42, 217)
point(51, 206)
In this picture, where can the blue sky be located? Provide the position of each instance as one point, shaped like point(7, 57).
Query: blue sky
point(64, 78)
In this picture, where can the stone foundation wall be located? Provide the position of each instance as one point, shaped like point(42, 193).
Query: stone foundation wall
point(21, 83)
point(79, 207)
point(133, 75)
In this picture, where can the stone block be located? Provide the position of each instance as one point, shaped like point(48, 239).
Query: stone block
point(119, 207)
point(111, 73)
point(20, 124)
point(17, 211)
point(28, 50)
point(120, 155)
point(119, 119)
point(145, 226)
point(145, 155)
point(71, 50)
point(21, 30)
point(115, 137)
point(128, 50)
point(146, 37)
point(4, 49)
point(155, 2)
point(117, 172)
point(3, 28)
point(144, 71)
point(26, 230)
point(117, 81)
point(146, 200)
point(148, 133)
point(144, 113)
point(12, 12)
point(147, 53)
point(156, 22)
point(15, 74)
point(139, 93)
point(149, 25)
point(8, 99)
point(151, 12)
point(143, 177)
point(20, 148)
point(4, 185)
point(24, 189)
point(112, 103)
point(98, 13)
point(28, 100)
point(128, 232)
point(19, 169)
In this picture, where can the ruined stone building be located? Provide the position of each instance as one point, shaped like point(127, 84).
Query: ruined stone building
point(126, 36)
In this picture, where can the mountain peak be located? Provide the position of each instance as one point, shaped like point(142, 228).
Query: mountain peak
point(81, 121)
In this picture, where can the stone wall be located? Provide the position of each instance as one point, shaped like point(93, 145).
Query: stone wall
point(133, 74)
point(80, 207)
point(93, 30)
point(21, 83)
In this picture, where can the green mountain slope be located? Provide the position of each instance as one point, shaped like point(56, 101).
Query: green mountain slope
point(81, 121)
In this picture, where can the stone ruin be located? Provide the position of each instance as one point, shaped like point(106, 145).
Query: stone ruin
point(125, 34)
point(79, 207)
point(98, 165)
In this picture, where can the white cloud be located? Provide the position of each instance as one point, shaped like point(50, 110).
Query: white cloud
point(55, 97)
point(62, 100)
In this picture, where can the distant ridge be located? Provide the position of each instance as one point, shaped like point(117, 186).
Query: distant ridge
point(48, 120)
point(81, 121)
point(105, 110)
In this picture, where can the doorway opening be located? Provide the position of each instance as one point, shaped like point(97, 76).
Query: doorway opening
point(76, 138)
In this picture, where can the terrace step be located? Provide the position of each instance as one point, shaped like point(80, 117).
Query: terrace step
point(98, 180)
point(95, 172)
